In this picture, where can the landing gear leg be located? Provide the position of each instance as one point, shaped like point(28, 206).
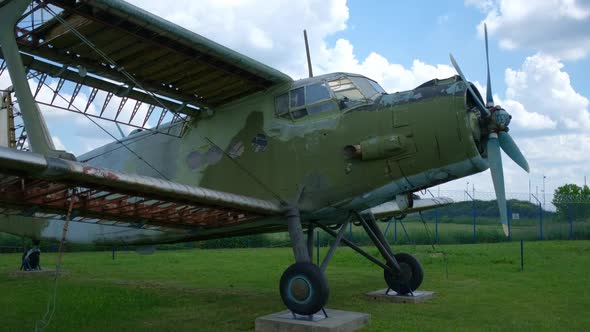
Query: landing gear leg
point(405, 273)
point(304, 288)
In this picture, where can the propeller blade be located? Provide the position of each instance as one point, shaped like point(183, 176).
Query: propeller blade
point(489, 96)
point(509, 146)
point(480, 105)
point(495, 162)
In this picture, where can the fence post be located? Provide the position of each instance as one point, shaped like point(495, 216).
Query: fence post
point(436, 226)
point(114, 249)
point(474, 227)
point(540, 222)
point(387, 227)
point(509, 220)
point(571, 220)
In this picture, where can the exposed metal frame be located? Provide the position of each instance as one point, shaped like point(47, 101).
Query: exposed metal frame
point(355, 247)
point(374, 232)
point(334, 246)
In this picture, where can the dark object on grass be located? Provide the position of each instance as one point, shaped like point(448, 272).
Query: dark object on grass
point(31, 260)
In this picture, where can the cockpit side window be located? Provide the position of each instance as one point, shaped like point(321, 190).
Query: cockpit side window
point(297, 97)
point(316, 92)
point(305, 100)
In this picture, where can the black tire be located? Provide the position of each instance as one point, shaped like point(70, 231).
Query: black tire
point(304, 288)
point(411, 275)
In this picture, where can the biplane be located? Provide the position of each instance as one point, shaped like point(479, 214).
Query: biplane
point(225, 145)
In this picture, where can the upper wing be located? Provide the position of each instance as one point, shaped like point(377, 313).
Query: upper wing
point(34, 185)
point(117, 41)
point(391, 209)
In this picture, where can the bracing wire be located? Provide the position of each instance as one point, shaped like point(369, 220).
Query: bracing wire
point(110, 61)
point(108, 133)
point(130, 77)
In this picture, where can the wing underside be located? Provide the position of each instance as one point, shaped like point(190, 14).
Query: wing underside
point(116, 41)
point(38, 186)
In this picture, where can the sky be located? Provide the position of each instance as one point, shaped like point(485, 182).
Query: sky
point(539, 54)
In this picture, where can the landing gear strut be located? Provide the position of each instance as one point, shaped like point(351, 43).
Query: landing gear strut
point(304, 287)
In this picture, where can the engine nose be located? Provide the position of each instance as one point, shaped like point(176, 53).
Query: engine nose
point(500, 119)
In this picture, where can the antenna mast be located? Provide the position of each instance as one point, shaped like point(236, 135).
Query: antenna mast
point(307, 52)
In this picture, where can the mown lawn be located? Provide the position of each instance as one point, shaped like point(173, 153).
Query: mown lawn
point(480, 287)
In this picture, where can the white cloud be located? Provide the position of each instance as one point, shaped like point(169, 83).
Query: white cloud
point(483, 5)
point(540, 96)
point(393, 77)
point(556, 27)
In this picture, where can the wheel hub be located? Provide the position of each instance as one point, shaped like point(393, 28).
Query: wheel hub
point(300, 289)
point(405, 273)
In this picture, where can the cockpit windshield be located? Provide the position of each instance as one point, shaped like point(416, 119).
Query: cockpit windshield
point(329, 94)
point(352, 90)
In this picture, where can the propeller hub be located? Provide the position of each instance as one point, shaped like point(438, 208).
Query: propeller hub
point(500, 119)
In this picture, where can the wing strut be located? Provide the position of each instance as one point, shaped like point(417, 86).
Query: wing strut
point(39, 136)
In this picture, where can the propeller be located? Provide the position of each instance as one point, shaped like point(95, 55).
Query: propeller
point(496, 121)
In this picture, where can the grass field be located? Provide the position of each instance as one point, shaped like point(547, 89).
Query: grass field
point(480, 288)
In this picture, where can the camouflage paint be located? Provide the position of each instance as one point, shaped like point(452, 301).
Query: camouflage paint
point(244, 148)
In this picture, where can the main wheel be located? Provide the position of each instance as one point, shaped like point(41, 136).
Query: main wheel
point(409, 278)
point(304, 288)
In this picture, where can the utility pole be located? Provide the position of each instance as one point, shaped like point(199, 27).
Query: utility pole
point(529, 189)
point(544, 193)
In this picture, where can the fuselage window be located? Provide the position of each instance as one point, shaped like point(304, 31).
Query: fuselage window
point(297, 97)
point(282, 104)
point(316, 92)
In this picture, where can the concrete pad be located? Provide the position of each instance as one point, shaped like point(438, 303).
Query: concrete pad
point(337, 320)
point(392, 296)
point(36, 273)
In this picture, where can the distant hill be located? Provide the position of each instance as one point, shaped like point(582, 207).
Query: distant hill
point(525, 209)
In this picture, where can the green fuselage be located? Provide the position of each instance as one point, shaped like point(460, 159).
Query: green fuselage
point(245, 148)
